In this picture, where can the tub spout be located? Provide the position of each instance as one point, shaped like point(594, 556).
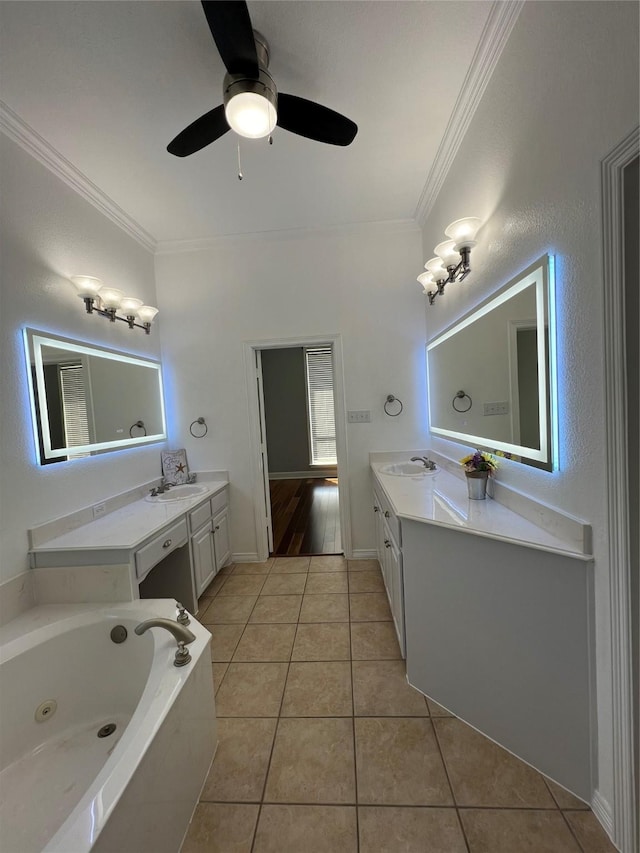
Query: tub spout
point(181, 634)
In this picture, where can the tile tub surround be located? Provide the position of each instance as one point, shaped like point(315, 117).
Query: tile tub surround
point(324, 747)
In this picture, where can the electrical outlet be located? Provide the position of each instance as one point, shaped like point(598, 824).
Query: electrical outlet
point(98, 510)
point(363, 417)
point(501, 408)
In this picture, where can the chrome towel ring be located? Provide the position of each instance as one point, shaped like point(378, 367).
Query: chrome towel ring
point(461, 396)
point(200, 421)
point(139, 425)
point(391, 399)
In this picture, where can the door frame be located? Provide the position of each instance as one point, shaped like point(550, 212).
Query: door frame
point(259, 493)
point(624, 818)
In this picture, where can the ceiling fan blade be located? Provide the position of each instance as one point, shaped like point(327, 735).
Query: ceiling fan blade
point(306, 118)
point(232, 32)
point(201, 132)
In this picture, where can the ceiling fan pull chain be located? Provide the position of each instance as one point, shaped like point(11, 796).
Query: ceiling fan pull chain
point(270, 139)
point(240, 175)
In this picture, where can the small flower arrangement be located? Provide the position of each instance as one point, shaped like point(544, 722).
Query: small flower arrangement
point(479, 461)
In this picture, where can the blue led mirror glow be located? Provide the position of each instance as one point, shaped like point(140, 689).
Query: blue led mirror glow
point(87, 399)
point(502, 357)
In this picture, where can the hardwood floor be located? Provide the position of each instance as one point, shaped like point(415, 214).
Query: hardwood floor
point(305, 517)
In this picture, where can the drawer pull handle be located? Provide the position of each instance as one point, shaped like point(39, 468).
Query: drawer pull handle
point(376, 509)
point(387, 544)
point(217, 527)
point(387, 513)
point(166, 544)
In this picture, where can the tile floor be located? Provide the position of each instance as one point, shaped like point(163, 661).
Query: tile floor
point(324, 748)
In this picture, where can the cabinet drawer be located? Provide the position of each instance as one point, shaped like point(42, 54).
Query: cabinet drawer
point(384, 507)
point(219, 501)
point(200, 515)
point(171, 538)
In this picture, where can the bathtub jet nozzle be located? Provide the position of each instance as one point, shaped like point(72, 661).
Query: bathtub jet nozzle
point(181, 634)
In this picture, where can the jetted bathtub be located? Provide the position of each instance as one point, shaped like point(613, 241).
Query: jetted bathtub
point(70, 782)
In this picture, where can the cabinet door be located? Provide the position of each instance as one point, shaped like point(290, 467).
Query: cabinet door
point(379, 529)
point(394, 561)
point(204, 559)
point(221, 539)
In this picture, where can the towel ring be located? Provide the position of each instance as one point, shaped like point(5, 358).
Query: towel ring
point(202, 423)
point(140, 425)
point(392, 399)
point(461, 396)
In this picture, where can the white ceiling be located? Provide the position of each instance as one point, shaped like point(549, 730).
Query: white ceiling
point(109, 84)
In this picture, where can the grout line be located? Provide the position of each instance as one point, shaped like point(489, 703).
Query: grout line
point(353, 720)
point(571, 830)
point(446, 770)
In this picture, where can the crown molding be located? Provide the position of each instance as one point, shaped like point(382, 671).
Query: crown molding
point(20, 132)
point(172, 247)
point(496, 32)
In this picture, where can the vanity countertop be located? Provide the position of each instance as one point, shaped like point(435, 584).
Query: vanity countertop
point(442, 500)
point(128, 527)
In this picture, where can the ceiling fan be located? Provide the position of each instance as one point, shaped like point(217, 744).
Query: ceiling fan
point(252, 104)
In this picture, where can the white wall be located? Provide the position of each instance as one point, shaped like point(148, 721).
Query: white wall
point(357, 282)
point(49, 233)
point(564, 93)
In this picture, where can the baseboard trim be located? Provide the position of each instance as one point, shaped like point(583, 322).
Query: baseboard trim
point(603, 812)
point(320, 474)
point(364, 554)
point(247, 557)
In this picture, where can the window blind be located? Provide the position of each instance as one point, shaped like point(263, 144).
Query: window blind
point(322, 425)
point(74, 406)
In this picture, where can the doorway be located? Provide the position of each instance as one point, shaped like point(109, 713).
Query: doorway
point(298, 436)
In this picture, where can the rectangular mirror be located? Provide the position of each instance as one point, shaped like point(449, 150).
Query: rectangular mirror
point(87, 399)
point(492, 375)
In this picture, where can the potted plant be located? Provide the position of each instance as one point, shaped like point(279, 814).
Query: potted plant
point(478, 467)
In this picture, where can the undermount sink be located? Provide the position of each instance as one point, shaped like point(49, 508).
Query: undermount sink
point(178, 493)
point(407, 469)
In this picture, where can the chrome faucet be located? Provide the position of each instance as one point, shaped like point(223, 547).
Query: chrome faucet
point(161, 489)
point(431, 466)
point(181, 634)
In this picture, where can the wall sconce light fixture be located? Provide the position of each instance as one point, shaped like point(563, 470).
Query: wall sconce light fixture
point(106, 301)
point(452, 261)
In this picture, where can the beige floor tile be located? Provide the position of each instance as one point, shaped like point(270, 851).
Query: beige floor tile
point(318, 689)
point(328, 564)
point(589, 832)
point(563, 798)
point(290, 565)
point(277, 608)
point(380, 689)
point(374, 641)
point(332, 607)
point(409, 830)
point(221, 828)
point(437, 710)
point(511, 830)
point(285, 584)
point(243, 585)
point(312, 762)
point(364, 566)
point(214, 587)
point(312, 829)
point(227, 570)
point(219, 670)
point(366, 582)
point(266, 643)
point(484, 774)
point(322, 641)
point(369, 607)
point(224, 639)
point(252, 690)
point(323, 582)
point(242, 759)
point(398, 763)
point(253, 568)
point(229, 608)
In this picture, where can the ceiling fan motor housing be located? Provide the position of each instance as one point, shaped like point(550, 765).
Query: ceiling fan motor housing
point(234, 84)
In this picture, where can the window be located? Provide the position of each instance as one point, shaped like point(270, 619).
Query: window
point(74, 406)
point(322, 425)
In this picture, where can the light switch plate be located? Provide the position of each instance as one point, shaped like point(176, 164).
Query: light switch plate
point(500, 408)
point(361, 417)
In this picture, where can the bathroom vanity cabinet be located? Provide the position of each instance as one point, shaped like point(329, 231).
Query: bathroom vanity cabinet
point(171, 549)
point(496, 614)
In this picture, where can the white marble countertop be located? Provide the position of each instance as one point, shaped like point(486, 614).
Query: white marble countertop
point(128, 527)
point(442, 499)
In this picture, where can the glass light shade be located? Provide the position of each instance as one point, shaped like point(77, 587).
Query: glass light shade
point(86, 285)
point(463, 231)
point(447, 252)
point(111, 297)
point(146, 313)
point(130, 305)
point(425, 279)
point(434, 266)
point(251, 115)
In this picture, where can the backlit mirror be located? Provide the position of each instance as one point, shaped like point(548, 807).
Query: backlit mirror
point(492, 376)
point(88, 399)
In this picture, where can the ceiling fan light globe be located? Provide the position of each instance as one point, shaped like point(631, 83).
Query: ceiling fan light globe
point(251, 115)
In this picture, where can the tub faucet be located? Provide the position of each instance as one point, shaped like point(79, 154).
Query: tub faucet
point(181, 634)
point(431, 466)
